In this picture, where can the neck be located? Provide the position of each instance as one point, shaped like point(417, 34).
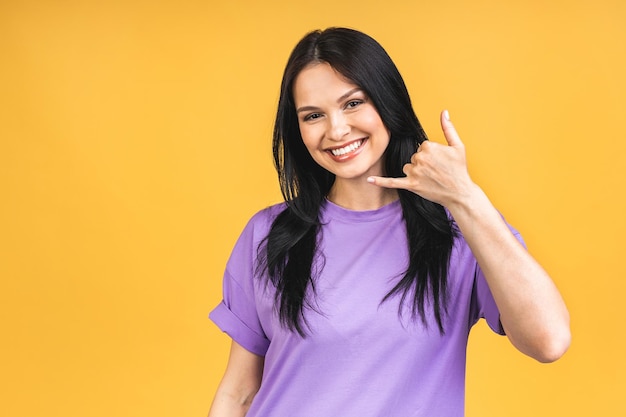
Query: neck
point(360, 195)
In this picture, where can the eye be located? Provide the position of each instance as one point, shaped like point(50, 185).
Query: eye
point(353, 103)
point(312, 116)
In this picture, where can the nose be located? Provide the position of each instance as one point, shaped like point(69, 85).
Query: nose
point(338, 127)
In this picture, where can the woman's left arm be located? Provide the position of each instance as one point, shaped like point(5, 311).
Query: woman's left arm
point(532, 310)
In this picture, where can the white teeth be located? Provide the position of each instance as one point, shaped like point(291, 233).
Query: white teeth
point(346, 149)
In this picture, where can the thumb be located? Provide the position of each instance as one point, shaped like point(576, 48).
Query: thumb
point(452, 137)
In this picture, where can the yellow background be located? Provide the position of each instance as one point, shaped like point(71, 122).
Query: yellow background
point(135, 144)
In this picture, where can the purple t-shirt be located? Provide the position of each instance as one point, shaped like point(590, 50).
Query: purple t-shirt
point(360, 357)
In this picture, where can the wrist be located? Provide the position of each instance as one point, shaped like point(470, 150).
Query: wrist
point(468, 203)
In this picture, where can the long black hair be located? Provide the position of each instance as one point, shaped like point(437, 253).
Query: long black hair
point(287, 255)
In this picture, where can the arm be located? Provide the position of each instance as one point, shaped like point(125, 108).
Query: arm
point(239, 385)
point(532, 311)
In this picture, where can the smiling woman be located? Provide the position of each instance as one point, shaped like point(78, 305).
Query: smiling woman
point(338, 123)
point(356, 295)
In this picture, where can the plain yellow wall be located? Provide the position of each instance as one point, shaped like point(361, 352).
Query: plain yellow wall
point(135, 144)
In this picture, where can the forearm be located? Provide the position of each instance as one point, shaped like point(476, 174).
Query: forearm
point(230, 404)
point(239, 385)
point(532, 310)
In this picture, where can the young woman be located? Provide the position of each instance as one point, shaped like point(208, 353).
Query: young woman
point(355, 296)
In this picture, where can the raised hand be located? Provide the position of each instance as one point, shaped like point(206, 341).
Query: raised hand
point(436, 172)
point(532, 311)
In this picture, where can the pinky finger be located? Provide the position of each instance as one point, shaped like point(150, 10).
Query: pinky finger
point(387, 182)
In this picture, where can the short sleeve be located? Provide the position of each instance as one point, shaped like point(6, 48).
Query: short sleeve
point(237, 313)
point(483, 303)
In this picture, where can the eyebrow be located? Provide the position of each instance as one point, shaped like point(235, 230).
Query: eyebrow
point(339, 100)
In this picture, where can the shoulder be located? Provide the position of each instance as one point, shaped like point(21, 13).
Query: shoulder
point(254, 232)
point(265, 217)
point(260, 223)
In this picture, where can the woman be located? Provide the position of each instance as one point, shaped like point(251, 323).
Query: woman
point(356, 295)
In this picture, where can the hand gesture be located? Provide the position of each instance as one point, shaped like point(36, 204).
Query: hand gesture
point(436, 172)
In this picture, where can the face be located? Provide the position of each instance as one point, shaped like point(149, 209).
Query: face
point(339, 124)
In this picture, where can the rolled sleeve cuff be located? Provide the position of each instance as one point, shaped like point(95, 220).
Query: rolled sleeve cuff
point(230, 324)
point(493, 320)
point(489, 309)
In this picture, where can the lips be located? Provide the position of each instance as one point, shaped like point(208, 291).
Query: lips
point(347, 151)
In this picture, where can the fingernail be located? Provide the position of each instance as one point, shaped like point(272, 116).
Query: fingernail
point(370, 179)
point(446, 115)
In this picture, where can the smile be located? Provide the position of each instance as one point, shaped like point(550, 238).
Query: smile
point(347, 149)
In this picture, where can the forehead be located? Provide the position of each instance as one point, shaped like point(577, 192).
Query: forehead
point(320, 81)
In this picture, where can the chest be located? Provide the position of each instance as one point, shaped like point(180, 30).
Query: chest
point(356, 268)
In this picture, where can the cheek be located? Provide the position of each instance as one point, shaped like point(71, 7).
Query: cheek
point(309, 137)
point(372, 121)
